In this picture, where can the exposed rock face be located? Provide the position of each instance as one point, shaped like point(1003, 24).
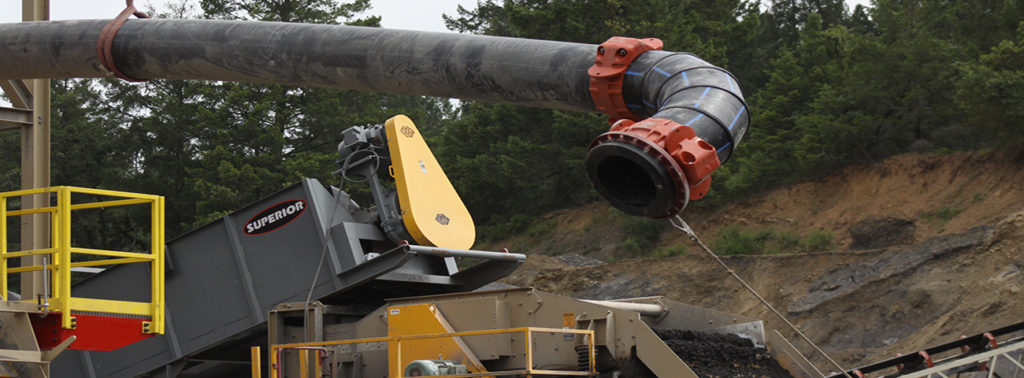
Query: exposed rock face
point(849, 278)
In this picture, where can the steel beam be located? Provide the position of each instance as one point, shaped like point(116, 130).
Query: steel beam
point(18, 92)
point(14, 118)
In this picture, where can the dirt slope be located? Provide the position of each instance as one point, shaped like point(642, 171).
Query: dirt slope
point(958, 272)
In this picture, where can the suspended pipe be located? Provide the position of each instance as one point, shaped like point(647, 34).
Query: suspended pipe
point(675, 117)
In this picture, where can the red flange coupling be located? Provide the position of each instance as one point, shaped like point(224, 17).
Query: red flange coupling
point(651, 168)
point(696, 157)
point(613, 58)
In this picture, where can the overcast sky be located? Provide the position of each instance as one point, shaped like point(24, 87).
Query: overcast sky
point(396, 14)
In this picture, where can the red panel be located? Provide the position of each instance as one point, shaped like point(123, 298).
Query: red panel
point(95, 332)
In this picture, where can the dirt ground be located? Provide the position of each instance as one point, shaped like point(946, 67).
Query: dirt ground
point(955, 269)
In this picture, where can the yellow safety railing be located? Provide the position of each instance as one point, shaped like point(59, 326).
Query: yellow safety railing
point(396, 367)
point(59, 254)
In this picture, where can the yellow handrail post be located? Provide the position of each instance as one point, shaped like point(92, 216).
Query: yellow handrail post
point(63, 269)
point(154, 248)
point(162, 261)
point(55, 237)
point(254, 359)
point(3, 247)
point(398, 360)
point(274, 363)
point(529, 351)
point(303, 363)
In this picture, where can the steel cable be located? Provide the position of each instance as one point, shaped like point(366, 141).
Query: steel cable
point(685, 228)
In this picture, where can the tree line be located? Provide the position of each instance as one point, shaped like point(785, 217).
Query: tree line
point(828, 86)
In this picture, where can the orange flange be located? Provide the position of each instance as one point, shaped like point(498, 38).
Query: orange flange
point(692, 154)
point(613, 58)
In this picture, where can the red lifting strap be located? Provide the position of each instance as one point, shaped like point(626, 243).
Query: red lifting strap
point(608, 71)
point(105, 45)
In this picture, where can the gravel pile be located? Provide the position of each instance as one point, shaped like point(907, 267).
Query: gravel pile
point(721, 355)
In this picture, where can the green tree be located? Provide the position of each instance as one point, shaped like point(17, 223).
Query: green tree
point(309, 11)
point(991, 91)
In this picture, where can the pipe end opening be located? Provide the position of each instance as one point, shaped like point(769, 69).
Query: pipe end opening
point(632, 180)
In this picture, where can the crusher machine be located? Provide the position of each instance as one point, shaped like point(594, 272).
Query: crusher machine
point(388, 295)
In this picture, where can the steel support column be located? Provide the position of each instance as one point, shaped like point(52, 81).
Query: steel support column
point(34, 96)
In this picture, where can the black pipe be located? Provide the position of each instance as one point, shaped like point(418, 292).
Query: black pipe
point(692, 92)
point(505, 70)
point(546, 74)
point(688, 91)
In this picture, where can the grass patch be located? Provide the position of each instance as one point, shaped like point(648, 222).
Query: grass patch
point(941, 215)
point(541, 228)
point(817, 241)
point(640, 234)
point(738, 240)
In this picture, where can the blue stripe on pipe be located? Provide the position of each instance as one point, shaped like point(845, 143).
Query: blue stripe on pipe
point(733, 123)
point(634, 106)
point(729, 79)
point(686, 79)
point(648, 104)
point(723, 147)
point(699, 116)
point(631, 73)
point(706, 90)
point(661, 71)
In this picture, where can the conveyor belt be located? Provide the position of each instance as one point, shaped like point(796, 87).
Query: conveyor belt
point(922, 359)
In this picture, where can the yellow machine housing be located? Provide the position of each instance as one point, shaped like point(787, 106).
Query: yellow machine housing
point(432, 210)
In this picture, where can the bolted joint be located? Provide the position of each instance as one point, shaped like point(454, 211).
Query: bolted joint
point(608, 71)
point(650, 168)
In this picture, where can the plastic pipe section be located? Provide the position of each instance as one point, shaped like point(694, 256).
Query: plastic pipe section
point(675, 117)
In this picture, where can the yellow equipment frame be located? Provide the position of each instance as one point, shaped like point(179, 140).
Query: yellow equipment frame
point(60, 252)
point(396, 367)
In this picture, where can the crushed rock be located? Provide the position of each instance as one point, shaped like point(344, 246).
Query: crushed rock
point(574, 259)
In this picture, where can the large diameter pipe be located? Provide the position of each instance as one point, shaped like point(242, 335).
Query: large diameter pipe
point(643, 166)
point(503, 70)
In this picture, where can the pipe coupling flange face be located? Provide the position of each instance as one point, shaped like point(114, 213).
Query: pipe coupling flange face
point(651, 168)
point(636, 176)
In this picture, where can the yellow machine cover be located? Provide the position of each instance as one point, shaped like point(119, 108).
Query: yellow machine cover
point(432, 211)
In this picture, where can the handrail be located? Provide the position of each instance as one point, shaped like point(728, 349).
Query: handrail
point(276, 368)
point(60, 254)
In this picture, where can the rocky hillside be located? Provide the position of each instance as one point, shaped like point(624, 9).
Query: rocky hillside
point(922, 249)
